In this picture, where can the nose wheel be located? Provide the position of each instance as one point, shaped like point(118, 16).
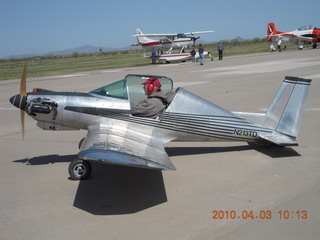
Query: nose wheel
point(79, 169)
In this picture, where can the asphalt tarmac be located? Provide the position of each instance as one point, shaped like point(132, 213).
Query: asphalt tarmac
point(225, 190)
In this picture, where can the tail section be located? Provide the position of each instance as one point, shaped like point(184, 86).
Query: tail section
point(271, 30)
point(285, 113)
point(141, 39)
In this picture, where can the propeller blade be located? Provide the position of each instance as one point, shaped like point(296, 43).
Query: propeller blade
point(22, 123)
point(23, 92)
point(194, 40)
point(23, 82)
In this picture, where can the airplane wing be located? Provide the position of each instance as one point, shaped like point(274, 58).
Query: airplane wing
point(119, 145)
point(156, 35)
point(168, 34)
point(195, 33)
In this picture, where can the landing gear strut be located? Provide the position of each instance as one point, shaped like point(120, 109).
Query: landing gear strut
point(79, 169)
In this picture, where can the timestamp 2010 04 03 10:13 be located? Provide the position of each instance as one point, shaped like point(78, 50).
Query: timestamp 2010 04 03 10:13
point(262, 214)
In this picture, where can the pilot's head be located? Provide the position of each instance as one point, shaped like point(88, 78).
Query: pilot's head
point(152, 85)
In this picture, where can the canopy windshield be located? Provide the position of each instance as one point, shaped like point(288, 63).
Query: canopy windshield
point(307, 27)
point(136, 91)
point(131, 89)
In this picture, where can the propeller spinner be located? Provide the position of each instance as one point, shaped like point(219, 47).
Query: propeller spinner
point(19, 100)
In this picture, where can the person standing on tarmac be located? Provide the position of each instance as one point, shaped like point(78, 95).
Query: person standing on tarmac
point(153, 55)
point(220, 50)
point(201, 54)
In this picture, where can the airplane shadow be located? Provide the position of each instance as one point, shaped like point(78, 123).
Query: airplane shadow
point(116, 190)
point(111, 189)
point(48, 159)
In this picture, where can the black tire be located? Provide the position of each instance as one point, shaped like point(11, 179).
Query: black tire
point(79, 169)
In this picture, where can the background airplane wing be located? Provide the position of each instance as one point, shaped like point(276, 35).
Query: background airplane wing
point(119, 145)
point(156, 35)
point(200, 32)
point(169, 34)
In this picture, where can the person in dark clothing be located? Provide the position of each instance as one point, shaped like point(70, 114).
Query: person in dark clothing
point(220, 50)
point(153, 56)
point(154, 104)
point(193, 55)
point(201, 54)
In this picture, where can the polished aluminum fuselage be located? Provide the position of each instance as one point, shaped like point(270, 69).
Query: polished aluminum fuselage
point(188, 117)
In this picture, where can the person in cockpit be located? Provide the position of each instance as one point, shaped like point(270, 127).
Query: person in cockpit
point(154, 104)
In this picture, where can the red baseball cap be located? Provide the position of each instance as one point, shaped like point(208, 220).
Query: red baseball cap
point(154, 81)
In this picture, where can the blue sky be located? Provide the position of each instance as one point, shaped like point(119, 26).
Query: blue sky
point(42, 26)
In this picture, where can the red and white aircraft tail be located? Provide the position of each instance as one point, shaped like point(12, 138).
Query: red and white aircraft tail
point(140, 39)
point(272, 30)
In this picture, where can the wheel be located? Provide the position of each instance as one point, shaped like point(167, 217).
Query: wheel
point(314, 46)
point(81, 142)
point(79, 169)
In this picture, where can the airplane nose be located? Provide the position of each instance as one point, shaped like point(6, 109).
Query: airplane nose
point(18, 101)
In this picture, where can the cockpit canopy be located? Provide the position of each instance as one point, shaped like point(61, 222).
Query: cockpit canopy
point(130, 88)
point(307, 27)
point(182, 35)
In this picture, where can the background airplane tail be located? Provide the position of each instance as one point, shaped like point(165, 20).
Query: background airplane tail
point(285, 113)
point(271, 30)
point(141, 39)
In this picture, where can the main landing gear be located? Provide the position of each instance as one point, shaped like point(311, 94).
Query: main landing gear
point(79, 169)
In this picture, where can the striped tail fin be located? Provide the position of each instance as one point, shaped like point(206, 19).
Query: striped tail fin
point(272, 30)
point(285, 113)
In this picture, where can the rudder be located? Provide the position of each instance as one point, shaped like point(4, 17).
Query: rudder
point(285, 113)
point(141, 39)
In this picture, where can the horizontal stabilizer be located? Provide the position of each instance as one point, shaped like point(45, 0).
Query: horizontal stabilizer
point(278, 139)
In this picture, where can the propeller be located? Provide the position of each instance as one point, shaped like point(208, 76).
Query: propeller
point(23, 93)
point(20, 99)
point(194, 40)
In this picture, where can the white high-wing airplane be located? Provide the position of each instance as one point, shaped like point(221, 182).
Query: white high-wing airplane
point(168, 40)
point(303, 35)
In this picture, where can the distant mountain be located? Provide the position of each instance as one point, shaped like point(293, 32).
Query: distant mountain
point(82, 49)
point(240, 39)
point(88, 49)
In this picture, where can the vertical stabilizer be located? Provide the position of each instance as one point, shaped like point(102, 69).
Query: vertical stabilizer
point(141, 39)
point(285, 113)
point(271, 30)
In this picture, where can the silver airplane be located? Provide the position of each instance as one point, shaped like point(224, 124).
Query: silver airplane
point(116, 137)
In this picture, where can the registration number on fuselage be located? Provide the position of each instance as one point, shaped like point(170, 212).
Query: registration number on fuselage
point(245, 132)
